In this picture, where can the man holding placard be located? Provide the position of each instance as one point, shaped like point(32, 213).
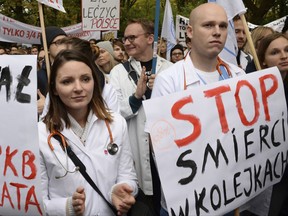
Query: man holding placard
point(208, 32)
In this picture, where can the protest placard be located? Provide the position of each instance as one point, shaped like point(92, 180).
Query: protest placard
point(100, 15)
point(219, 145)
point(20, 184)
point(181, 25)
point(56, 4)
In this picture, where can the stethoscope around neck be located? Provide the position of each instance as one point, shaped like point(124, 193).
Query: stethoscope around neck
point(112, 148)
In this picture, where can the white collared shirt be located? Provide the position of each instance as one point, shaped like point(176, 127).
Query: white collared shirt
point(181, 74)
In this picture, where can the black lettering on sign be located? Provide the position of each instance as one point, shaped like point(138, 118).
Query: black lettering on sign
point(6, 80)
point(23, 81)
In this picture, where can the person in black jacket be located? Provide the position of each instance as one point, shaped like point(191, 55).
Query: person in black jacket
point(273, 51)
point(53, 36)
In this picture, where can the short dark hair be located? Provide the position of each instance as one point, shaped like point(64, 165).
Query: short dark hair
point(147, 25)
point(117, 42)
point(236, 18)
point(177, 46)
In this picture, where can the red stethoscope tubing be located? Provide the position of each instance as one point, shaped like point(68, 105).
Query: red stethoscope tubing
point(56, 133)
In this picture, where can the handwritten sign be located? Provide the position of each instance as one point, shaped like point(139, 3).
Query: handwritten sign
point(56, 4)
point(181, 26)
point(219, 145)
point(100, 15)
point(20, 186)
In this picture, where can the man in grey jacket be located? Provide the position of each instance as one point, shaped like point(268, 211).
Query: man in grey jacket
point(133, 85)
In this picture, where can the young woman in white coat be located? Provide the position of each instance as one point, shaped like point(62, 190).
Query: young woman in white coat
point(78, 112)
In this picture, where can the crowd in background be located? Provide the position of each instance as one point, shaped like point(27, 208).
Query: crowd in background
point(122, 70)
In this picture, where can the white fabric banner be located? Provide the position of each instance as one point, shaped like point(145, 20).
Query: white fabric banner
point(56, 4)
point(20, 180)
point(232, 7)
point(17, 32)
point(219, 145)
point(277, 25)
point(168, 28)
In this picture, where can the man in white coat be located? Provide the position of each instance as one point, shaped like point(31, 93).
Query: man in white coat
point(207, 30)
point(133, 86)
point(242, 58)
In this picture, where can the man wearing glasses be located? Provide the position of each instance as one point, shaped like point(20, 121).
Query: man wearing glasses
point(53, 36)
point(133, 85)
point(177, 53)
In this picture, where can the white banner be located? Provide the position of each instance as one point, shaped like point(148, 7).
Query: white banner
point(56, 4)
point(219, 145)
point(17, 32)
point(232, 8)
point(277, 25)
point(101, 17)
point(20, 181)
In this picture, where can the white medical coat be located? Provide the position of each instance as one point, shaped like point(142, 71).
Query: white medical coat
point(173, 79)
point(106, 170)
point(125, 87)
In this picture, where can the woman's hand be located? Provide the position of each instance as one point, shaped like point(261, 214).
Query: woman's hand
point(122, 198)
point(78, 201)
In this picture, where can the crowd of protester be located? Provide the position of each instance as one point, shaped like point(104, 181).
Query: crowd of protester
point(114, 78)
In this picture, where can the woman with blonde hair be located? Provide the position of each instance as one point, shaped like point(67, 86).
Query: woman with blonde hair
point(106, 59)
point(273, 51)
point(257, 35)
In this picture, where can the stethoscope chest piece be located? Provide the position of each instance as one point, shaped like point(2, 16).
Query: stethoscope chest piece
point(112, 148)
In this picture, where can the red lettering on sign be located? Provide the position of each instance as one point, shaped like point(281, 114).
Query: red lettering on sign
point(216, 92)
point(107, 23)
point(175, 111)
point(8, 161)
point(31, 194)
point(244, 120)
point(18, 186)
point(267, 92)
point(5, 194)
point(30, 163)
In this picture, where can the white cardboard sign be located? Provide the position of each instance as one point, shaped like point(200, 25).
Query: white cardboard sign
point(20, 181)
point(219, 145)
